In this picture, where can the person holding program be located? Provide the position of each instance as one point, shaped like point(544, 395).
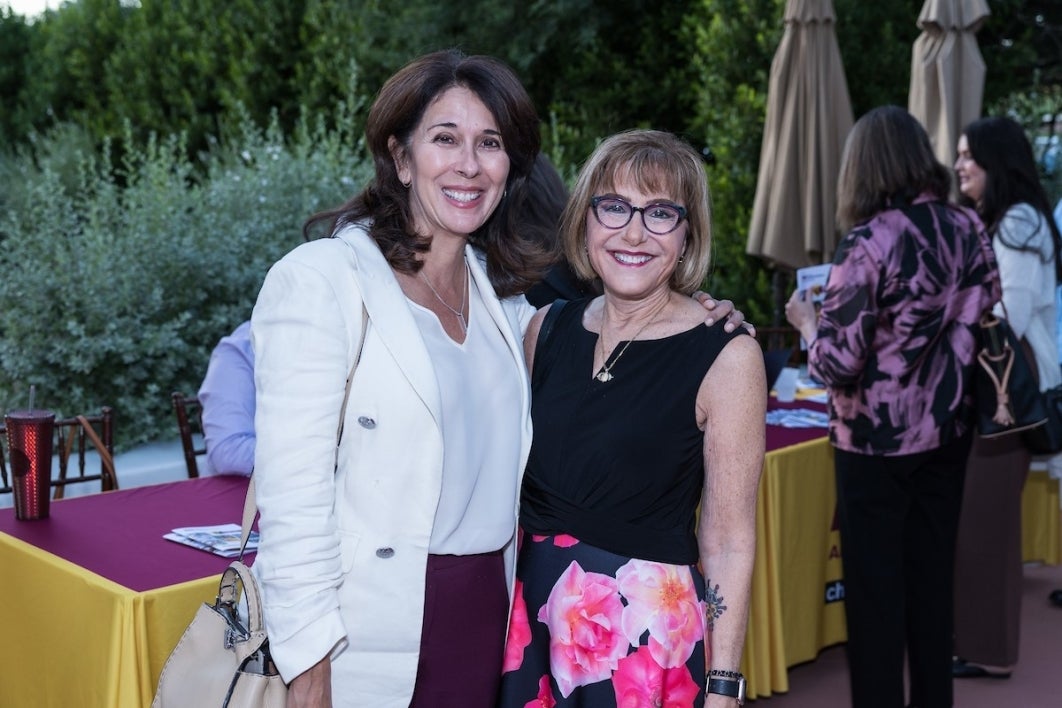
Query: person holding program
point(385, 564)
point(642, 414)
point(895, 344)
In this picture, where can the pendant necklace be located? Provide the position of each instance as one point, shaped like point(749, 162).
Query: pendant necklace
point(605, 374)
point(460, 314)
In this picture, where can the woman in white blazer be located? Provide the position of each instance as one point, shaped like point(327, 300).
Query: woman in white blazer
point(383, 565)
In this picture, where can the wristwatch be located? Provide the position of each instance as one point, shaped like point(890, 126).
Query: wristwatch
point(732, 687)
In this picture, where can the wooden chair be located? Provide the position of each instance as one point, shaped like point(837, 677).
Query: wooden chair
point(190, 426)
point(76, 436)
point(774, 338)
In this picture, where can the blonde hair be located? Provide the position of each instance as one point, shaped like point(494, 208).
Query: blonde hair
point(654, 161)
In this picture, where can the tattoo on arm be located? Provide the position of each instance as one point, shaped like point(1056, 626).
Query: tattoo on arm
point(713, 604)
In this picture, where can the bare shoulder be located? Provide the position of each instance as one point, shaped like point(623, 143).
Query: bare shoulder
point(741, 359)
point(735, 386)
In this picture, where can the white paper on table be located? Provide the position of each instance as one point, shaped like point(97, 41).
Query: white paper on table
point(798, 418)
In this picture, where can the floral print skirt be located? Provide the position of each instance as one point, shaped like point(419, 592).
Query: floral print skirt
point(590, 629)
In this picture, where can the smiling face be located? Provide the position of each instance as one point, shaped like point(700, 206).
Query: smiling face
point(631, 261)
point(455, 165)
point(971, 175)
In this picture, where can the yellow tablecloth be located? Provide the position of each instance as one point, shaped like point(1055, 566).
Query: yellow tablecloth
point(797, 606)
point(71, 638)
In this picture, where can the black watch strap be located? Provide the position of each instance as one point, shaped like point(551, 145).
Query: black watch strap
point(728, 687)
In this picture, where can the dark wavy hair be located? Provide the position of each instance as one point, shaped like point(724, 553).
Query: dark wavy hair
point(1001, 148)
point(887, 162)
point(515, 259)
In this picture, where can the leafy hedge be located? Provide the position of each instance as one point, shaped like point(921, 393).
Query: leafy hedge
point(118, 279)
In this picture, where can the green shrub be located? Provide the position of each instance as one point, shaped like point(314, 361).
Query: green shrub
point(119, 279)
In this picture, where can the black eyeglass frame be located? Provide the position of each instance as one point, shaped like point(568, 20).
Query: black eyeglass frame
point(595, 201)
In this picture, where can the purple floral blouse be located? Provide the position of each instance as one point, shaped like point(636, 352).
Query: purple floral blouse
point(897, 333)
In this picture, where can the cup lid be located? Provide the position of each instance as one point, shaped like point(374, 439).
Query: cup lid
point(30, 414)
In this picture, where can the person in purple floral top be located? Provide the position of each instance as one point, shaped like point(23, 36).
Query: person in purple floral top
point(895, 343)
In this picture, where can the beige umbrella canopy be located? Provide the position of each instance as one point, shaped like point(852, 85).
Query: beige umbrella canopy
point(947, 71)
point(809, 115)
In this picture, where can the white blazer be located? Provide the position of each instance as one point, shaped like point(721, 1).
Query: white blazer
point(343, 551)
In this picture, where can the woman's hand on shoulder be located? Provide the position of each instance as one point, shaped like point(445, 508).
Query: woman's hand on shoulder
point(313, 687)
point(718, 309)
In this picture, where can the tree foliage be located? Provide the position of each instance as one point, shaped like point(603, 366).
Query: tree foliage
point(150, 130)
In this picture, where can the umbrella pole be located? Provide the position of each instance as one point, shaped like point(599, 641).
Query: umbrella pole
point(779, 297)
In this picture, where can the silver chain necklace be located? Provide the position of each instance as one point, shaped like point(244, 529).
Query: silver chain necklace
point(604, 375)
point(464, 292)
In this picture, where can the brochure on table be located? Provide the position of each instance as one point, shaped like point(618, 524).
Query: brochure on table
point(221, 539)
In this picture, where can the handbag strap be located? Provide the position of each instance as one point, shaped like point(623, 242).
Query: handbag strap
point(250, 505)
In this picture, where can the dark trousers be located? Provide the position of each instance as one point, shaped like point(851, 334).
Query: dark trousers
point(988, 563)
point(466, 606)
point(899, 519)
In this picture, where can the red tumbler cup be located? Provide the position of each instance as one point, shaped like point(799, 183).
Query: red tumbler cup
point(29, 442)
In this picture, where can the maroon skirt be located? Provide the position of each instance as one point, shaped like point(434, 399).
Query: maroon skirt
point(466, 602)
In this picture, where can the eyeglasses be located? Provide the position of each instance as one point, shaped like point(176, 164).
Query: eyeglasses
point(615, 213)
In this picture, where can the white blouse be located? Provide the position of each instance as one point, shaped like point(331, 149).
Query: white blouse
point(1029, 286)
point(481, 431)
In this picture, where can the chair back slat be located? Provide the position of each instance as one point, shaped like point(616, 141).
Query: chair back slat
point(190, 428)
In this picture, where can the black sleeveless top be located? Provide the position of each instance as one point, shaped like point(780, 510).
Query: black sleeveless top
point(618, 464)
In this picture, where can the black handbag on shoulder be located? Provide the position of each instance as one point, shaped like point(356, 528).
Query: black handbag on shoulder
point(1007, 386)
point(1046, 439)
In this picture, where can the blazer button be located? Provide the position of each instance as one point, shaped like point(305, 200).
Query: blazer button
point(366, 422)
point(384, 552)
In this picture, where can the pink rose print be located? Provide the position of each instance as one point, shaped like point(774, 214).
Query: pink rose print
point(560, 541)
point(519, 631)
point(661, 598)
point(583, 615)
point(564, 541)
point(545, 697)
point(640, 682)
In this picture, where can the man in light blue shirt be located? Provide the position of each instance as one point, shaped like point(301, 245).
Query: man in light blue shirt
point(227, 400)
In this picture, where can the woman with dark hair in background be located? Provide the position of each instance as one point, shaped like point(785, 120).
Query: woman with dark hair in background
point(895, 344)
point(542, 211)
point(997, 176)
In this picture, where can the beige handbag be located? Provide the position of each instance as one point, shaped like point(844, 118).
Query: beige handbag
point(219, 661)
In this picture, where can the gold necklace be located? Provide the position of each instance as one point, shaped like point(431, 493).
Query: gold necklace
point(460, 314)
point(605, 373)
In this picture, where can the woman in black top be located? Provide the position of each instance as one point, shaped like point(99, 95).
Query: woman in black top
point(641, 413)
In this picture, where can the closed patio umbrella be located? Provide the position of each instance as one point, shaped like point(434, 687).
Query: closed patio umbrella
point(947, 71)
point(809, 114)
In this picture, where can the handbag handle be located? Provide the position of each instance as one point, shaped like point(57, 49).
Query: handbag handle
point(228, 596)
point(250, 506)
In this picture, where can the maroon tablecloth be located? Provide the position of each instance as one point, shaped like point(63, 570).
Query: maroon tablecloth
point(118, 535)
point(779, 437)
